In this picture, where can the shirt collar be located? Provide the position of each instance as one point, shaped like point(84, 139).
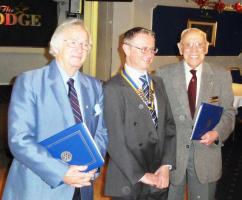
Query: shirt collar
point(188, 68)
point(65, 77)
point(135, 74)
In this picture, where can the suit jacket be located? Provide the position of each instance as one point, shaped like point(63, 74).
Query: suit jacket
point(39, 108)
point(135, 146)
point(215, 82)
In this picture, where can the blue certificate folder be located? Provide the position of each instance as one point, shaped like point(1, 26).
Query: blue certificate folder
point(207, 118)
point(75, 146)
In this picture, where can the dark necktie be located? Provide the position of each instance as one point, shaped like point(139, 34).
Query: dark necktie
point(145, 88)
point(78, 118)
point(74, 101)
point(192, 91)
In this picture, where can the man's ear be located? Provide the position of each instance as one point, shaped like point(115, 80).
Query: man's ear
point(180, 48)
point(55, 50)
point(206, 48)
point(126, 49)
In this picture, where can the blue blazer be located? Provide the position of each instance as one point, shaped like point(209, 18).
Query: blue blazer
point(39, 108)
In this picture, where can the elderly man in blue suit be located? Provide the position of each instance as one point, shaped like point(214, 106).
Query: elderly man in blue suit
point(40, 107)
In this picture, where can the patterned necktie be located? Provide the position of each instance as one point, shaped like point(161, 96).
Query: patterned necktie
point(145, 85)
point(74, 101)
point(145, 88)
point(78, 118)
point(192, 90)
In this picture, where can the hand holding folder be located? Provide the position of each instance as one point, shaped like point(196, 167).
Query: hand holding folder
point(75, 146)
point(207, 118)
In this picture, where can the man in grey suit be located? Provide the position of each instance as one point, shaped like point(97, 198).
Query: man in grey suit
point(40, 107)
point(140, 125)
point(198, 162)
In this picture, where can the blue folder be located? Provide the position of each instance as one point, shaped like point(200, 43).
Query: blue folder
point(75, 146)
point(207, 118)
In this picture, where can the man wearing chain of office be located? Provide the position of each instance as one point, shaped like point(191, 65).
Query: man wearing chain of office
point(140, 124)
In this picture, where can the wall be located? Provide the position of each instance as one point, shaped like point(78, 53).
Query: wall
point(139, 13)
point(104, 41)
point(16, 60)
point(114, 19)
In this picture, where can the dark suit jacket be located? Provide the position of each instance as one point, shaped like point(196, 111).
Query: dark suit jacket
point(135, 146)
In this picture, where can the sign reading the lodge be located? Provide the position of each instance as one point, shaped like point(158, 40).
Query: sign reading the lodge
point(27, 23)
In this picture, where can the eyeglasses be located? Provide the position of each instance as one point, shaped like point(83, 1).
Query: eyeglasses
point(76, 44)
point(144, 50)
point(198, 45)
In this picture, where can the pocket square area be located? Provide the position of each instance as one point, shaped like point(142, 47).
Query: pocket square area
point(97, 109)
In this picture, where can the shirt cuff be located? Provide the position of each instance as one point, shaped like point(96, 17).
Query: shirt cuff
point(169, 166)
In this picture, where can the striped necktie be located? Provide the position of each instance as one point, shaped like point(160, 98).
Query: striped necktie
point(145, 85)
point(145, 88)
point(74, 101)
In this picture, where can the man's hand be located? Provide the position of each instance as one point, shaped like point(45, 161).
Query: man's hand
point(149, 179)
point(209, 138)
point(163, 176)
point(76, 177)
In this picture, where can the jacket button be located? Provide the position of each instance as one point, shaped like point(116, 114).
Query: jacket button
point(126, 190)
point(187, 146)
point(135, 123)
point(181, 117)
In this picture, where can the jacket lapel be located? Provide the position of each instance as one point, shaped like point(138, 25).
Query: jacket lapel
point(86, 99)
point(206, 86)
point(135, 100)
point(58, 88)
point(158, 96)
point(180, 88)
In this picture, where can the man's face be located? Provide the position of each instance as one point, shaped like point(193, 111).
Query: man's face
point(193, 47)
point(74, 49)
point(139, 51)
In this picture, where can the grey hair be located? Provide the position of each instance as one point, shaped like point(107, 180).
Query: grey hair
point(57, 37)
point(189, 30)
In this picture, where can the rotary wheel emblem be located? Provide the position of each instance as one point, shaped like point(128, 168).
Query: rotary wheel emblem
point(66, 156)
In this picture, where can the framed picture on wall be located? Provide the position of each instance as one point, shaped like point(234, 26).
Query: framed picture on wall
point(210, 28)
